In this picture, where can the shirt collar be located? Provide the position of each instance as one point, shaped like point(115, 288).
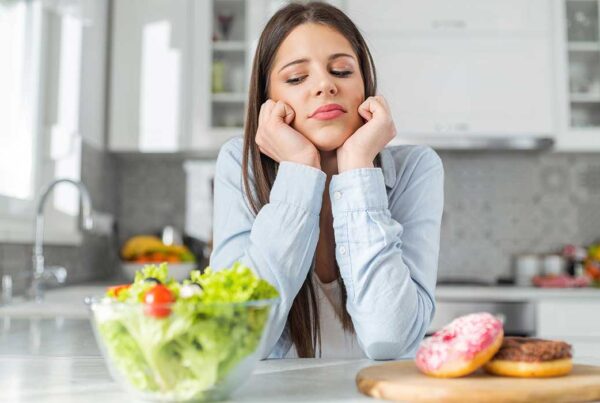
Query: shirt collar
point(388, 167)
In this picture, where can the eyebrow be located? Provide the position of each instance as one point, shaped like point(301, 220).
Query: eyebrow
point(304, 60)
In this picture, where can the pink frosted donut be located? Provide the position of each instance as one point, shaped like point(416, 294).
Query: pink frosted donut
point(460, 347)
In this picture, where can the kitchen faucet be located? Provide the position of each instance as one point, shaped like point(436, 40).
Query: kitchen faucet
point(41, 273)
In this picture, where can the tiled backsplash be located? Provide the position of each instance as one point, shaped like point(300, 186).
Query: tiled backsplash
point(497, 204)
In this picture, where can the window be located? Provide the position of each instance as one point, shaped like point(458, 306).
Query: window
point(19, 27)
point(39, 117)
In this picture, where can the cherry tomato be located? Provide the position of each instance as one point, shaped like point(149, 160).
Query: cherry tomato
point(156, 301)
point(116, 289)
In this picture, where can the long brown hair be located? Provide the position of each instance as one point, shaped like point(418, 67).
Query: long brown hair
point(303, 318)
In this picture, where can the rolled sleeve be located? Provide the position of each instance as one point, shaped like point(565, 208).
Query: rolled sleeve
point(299, 185)
point(358, 190)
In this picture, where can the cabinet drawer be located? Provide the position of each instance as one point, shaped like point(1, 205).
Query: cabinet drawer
point(560, 318)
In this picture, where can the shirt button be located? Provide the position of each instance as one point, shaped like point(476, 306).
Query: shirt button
point(337, 195)
point(342, 250)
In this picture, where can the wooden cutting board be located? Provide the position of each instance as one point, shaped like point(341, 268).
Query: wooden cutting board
point(401, 380)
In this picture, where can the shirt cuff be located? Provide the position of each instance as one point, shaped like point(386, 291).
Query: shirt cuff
point(299, 185)
point(358, 189)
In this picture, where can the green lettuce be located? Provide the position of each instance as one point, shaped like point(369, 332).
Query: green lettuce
point(188, 353)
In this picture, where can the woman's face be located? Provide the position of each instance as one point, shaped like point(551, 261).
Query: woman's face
point(316, 66)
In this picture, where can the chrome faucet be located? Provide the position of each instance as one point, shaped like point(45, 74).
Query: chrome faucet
point(42, 273)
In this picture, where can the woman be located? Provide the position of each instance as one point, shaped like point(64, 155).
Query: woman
point(347, 231)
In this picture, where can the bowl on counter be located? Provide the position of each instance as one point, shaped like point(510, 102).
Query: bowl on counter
point(179, 271)
point(193, 352)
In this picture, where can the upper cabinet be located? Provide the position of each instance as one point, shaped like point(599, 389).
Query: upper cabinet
point(578, 76)
point(150, 75)
point(179, 72)
point(450, 69)
point(223, 52)
point(459, 68)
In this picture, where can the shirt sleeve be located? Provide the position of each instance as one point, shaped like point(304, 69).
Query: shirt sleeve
point(387, 250)
point(279, 242)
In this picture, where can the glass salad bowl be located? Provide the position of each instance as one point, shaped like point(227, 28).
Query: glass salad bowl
point(195, 341)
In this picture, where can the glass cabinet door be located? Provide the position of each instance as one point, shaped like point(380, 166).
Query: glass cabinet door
point(228, 78)
point(583, 47)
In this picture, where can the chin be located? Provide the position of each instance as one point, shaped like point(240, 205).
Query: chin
point(328, 138)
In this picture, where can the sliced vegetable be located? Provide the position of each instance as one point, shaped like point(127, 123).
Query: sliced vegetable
point(115, 290)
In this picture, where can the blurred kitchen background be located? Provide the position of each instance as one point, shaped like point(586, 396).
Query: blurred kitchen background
point(134, 97)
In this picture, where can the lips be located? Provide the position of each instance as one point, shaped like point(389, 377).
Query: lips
point(328, 111)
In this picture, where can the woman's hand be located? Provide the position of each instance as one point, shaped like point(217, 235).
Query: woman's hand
point(278, 140)
point(362, 147)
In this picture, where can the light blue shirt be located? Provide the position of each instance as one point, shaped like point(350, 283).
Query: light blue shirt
point(387, 233)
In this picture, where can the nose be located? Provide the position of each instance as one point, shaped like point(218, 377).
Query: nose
point(326, 86)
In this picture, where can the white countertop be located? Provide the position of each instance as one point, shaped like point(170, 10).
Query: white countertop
point(86, 379)
point(58, 360)
point(511, 293)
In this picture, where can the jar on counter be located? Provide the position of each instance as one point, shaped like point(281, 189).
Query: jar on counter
point(526, 267)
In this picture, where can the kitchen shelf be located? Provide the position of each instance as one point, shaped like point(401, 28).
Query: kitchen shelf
point(232, 97)
point(229, 46)
point(227, 132)
point(584, 46)
point(582, 97)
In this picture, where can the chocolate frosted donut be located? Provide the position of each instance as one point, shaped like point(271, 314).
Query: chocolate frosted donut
point(531, 357)
point(532, 350)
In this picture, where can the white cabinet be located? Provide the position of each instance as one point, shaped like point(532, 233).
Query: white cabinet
point(179, 72)
point(449, 17)
point(574, 321)
point(578, 75)
point(223, 51)
point(463, 68)
point(151, 74)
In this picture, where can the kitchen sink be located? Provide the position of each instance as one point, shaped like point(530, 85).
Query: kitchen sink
point(64, 302)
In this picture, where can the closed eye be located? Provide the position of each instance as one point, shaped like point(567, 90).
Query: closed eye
point(298, 80)
point(344, 73)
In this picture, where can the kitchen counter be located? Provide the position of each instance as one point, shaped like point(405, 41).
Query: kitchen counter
point(50, 357)
point(511, 293)
point(58, 360)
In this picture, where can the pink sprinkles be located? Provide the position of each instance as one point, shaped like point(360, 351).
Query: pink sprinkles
point(461, 339)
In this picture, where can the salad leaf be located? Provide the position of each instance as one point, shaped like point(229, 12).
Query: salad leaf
point(199, 345)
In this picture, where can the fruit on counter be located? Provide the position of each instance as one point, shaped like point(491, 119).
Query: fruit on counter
point(150, 249)
point(591, 264)
point(593, 251)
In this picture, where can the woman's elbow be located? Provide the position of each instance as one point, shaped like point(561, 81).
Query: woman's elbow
point(382, 350)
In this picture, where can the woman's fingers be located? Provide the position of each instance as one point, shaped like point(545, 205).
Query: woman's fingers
point(366, 109)
point(290, 114)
